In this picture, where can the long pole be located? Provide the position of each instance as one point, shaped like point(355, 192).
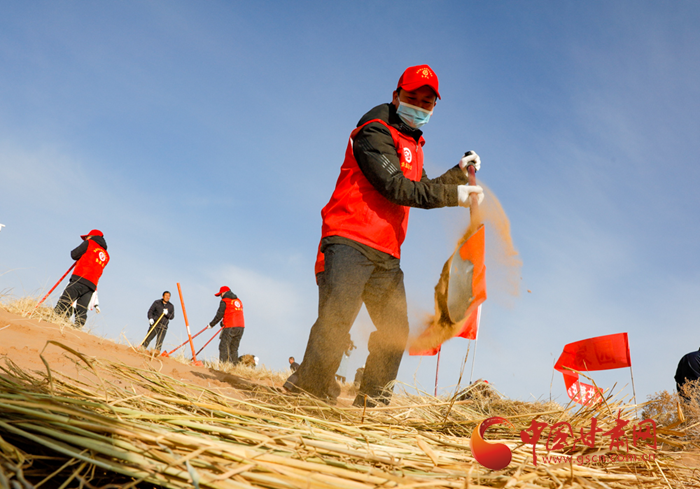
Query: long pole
point(437, 369)
point(187, 325)
point(205, 344)
point(154, 326)
point(471, 375)
point(474, 214)
point(54, 287)
point(634, 393)
point(476, 342)
point(168, 353)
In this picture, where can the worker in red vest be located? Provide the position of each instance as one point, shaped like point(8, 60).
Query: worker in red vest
point(364, 225)
point(92, 258)
point(230, 313)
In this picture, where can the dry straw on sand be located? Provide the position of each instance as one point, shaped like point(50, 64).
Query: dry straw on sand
point(143, 429)
point(27, 307)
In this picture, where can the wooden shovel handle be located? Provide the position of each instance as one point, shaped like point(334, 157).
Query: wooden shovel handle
point(473, 199)
point(471, 174)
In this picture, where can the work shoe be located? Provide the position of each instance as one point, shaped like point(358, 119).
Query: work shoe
point(290, 385)
point(330, 396)
point(334, 390)
point(362, 400)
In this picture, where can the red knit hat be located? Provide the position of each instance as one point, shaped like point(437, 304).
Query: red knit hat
point(94, 232)
point(222, 290)
point(419, 76)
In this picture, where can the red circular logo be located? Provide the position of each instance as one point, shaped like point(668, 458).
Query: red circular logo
point(494, 456)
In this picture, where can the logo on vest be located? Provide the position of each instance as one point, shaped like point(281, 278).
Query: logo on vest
point(102, 256)
point(237, 304)
point(407, 158)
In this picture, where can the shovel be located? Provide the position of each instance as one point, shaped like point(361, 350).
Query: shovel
point(168, 353)
point(461, 288)
point(54, 287)
point(205, 344)
point(153, 327)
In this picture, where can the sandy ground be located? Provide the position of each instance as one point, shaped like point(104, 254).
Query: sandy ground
point(24, 341)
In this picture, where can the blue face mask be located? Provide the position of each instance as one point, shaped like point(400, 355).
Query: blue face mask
point(412, 115)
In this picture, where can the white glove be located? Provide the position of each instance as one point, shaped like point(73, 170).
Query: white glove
point(151, 321)
point(211, 325)
point(470, 158)
point(465, 190)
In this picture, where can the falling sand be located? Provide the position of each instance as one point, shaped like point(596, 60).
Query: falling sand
point(503, 257)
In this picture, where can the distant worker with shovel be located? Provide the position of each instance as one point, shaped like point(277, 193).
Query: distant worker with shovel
point(230, 313)
point(364, 225)
point(92, 258)
point(161, 312)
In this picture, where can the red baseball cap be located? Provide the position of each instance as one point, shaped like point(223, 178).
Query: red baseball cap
point(222, 290)
point(94, 232)
point(419, 76)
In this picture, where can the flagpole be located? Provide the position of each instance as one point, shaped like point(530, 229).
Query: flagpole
point(476, 342)
point(634, 393)
point(437, 369)
point(471, 375)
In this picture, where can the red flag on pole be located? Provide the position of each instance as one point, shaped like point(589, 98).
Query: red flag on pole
point(599, 353)
point(458, 297)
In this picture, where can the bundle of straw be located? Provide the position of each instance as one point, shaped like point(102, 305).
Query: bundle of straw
point(140, 428)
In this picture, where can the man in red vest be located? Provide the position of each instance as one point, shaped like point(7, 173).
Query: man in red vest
point(230, 313)
point(92, 258)
point(364, 225)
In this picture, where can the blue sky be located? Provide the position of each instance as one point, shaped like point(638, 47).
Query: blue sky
point(204, 138)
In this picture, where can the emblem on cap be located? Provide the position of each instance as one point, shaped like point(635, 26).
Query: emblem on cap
point(425, 72)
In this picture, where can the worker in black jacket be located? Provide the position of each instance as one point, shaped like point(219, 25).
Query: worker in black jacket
point(162, 311)
point(688, 371)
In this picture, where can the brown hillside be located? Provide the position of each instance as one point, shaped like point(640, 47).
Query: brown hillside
point(24, 341)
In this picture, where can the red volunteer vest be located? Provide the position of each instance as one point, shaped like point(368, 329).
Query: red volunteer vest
point(359, 212)
point(233, 315)
point(92, 263)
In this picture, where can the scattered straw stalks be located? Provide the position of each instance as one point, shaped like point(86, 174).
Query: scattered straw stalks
point(141, 428)
point(27, 308)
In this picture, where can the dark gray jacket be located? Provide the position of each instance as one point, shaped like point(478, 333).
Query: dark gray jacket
point(157, 308)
